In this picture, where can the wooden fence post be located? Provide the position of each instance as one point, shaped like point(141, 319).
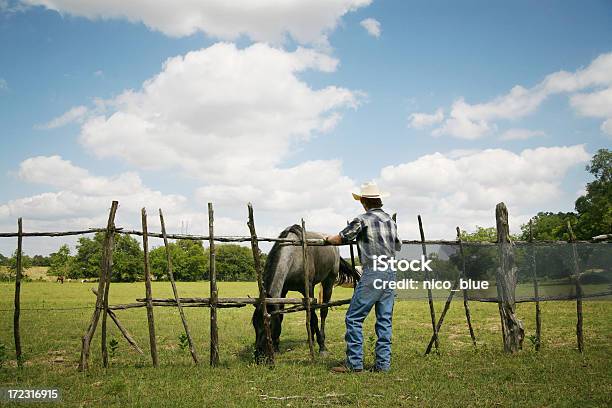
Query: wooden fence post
point(177, 299)
point(579, 336)
point(307, 289)
point(214, 294)
point(17, 313)
point(262, 291)
point(100, 306)
point(109, 243)
point(466, 306)
point(148, 290)
point(449, 299)
point(432, 311)
point(447, 304)
point(512, 328)
point(128, 337)
point(536, 289)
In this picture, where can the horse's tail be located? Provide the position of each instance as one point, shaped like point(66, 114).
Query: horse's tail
point(346, 274)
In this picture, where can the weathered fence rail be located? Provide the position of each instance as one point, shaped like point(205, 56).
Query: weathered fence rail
point(506, 281)
point(286, 241)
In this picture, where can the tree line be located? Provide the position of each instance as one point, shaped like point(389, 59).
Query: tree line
point(190, 260)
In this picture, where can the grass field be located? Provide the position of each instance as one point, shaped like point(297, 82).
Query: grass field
point(458, 376)
point(33, 273)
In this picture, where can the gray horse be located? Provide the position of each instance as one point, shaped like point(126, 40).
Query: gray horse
point(284, 271)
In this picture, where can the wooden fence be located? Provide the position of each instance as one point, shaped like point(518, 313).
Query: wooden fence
point(506, 281)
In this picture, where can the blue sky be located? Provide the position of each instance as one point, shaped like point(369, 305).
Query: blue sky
point(429, 55)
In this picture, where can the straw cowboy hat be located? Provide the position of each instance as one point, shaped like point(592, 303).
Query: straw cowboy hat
point(370, 190)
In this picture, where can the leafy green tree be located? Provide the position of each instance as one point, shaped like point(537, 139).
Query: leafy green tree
point(127, 258)
point(595, 207)
point(195, 260)
point(443, 269)
point(593, 217)
point(189, 261)
point(60, 262)
point(40, 260)
point(552, 262)
point(88, 258)
point(481, 234)
point(157, 261)
point(3, 260)
point(548, 226)
point(480, 261)
point(235, 263)
point(26, 262)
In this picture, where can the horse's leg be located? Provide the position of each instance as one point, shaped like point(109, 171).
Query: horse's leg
point(276, 330)
point(327, 287)
point(314, 325)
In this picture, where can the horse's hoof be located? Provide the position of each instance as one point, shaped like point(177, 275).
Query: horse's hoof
point(323, 353)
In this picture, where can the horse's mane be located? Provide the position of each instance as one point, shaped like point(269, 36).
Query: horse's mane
point(346, 274)
point(274, 254)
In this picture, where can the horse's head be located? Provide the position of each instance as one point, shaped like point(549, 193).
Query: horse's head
point(260, 334)
point(275, 273)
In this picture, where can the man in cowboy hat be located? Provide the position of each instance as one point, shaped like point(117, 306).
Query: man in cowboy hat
point(376, 235)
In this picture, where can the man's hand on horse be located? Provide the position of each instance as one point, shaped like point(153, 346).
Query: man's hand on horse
point(333, 239)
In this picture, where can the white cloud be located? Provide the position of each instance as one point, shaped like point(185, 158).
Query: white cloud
point(598, 73)
point(520, 134)
point(81, 200)
point(447, 189)
point(76, 114)
point(56, 172)
point(372, 26)
point(99, 73)
point(468, 121)
point(220, 114)
point(3, 84)
point(314, 190)
point(226, 117)
point(606, 127)
point(462, 126)
point(596, 104)
point(463, 190)
point(306, 21)
point(422, 120)
point(79, 191)
point(312, 184)
point(472, 121)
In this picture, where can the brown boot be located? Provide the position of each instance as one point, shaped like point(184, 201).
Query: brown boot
point(342, 369)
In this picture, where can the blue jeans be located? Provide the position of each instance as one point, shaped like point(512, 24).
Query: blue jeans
point(364, 297)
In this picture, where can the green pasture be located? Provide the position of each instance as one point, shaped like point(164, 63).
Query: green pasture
point(55, 317)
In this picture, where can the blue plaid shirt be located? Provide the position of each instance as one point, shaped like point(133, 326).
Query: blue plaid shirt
point(376, 234)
